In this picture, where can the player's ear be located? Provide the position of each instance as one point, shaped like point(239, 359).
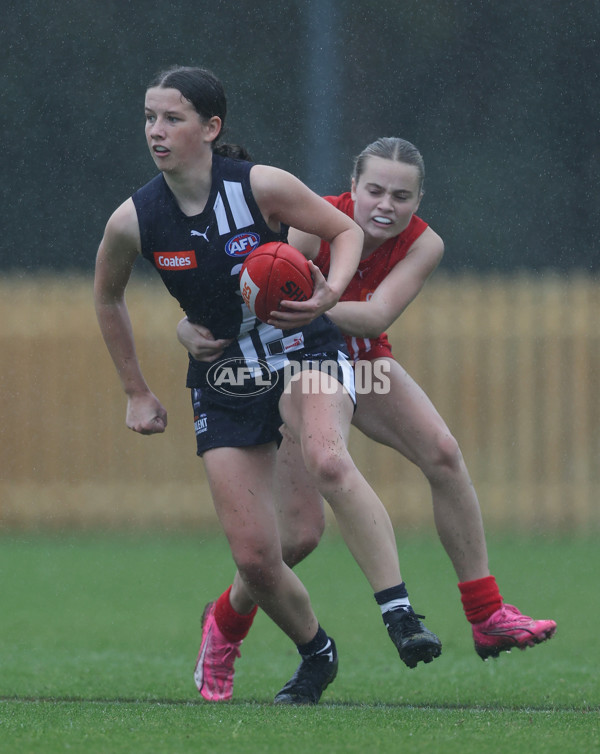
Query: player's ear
point(212, 127)
point(419, 201)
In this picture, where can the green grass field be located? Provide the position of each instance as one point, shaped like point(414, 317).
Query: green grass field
point(99, 635)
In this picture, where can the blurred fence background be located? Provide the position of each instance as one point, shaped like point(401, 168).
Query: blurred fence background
point(511, 362)
point(502, 100)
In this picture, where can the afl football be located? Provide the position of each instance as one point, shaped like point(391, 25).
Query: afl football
point(272, 273)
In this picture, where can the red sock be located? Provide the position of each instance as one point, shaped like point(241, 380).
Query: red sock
point(234, 626)
point(480, 598)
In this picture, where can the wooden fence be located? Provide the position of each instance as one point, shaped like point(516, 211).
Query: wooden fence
point(512, 363)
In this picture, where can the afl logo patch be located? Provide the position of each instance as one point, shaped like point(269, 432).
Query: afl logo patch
point(241, 377)
point(242, 244)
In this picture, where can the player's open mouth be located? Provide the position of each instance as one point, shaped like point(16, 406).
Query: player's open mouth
point(382, 220)
point(160, 150)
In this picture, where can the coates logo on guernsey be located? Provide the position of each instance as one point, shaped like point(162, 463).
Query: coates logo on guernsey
point(175, 260)
point(242, 244)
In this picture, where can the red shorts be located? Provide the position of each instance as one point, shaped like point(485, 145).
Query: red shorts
point(368, 349)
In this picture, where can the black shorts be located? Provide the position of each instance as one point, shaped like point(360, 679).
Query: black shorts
point(226, 420)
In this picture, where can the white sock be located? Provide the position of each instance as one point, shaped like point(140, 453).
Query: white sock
point(402, 602)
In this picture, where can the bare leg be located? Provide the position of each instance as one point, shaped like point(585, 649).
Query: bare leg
point(246, 509)
point(300, 515)
point(320, 421)
point(299, 503)
point(406, 420)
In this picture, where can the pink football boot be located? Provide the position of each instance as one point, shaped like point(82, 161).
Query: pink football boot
point(214, 669)
point(508, 628)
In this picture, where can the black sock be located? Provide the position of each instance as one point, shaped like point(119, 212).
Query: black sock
point(320, 644)
point(393, 598)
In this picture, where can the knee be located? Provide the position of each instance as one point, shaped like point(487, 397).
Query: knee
point(303, 541)
point(257, 565)
point(445, 456)
point(328, 467)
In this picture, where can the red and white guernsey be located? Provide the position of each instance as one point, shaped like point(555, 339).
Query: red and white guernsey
point(370, 273)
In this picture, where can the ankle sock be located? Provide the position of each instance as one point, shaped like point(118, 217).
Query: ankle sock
point(393, 598)
point(234, 626)
point(320, 644)
point(480, 598)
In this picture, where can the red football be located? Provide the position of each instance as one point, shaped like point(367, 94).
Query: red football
point(272, 273)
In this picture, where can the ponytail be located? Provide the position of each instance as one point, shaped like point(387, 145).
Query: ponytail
point(235, 151)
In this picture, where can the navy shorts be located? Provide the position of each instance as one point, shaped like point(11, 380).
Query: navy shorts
point(224, 418)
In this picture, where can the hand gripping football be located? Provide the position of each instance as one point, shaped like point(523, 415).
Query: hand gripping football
point(272, 273)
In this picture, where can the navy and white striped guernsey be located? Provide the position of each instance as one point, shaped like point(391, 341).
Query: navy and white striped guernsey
point(199, 259)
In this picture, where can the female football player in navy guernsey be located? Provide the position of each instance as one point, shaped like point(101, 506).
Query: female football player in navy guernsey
point(400, 251)
point(185, 222)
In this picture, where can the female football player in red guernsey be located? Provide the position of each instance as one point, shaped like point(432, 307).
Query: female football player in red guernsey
point(400, 252)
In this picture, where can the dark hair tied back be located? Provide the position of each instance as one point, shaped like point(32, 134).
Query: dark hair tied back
point(199, 86)
point(235, 151)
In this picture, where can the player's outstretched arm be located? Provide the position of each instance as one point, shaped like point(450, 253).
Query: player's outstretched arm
point(116, 256)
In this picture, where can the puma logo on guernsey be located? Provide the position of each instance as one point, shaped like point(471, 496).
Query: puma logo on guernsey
point(175, 260)
point(202, 235)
